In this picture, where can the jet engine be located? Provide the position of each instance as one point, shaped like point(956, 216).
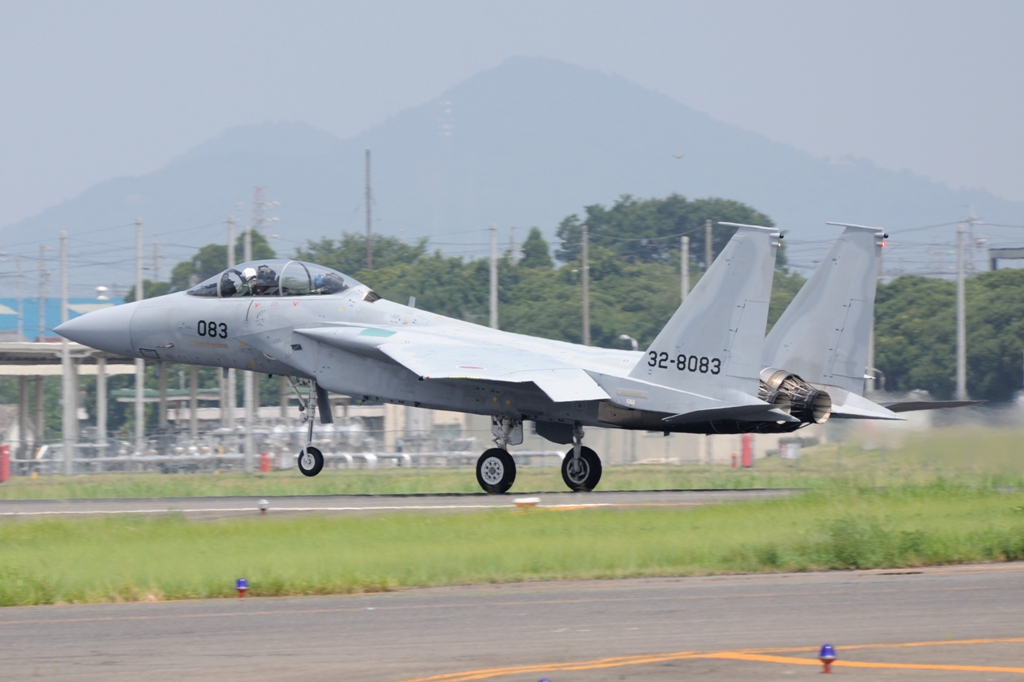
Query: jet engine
point(808, 404)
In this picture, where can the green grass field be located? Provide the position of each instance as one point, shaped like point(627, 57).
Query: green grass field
point(132, 558)
point(973, 456)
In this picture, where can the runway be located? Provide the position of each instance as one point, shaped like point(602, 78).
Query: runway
point(954, 623)
point(225, 507)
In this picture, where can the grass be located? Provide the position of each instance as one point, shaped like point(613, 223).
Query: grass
point(132, 558)
point(975, 456)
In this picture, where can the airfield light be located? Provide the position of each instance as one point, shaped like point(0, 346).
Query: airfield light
point(263, 506)
point(242, 585)
point(827, 655)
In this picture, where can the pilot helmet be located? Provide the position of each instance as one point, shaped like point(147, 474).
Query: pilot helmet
point(248, 274)
point(318, 281)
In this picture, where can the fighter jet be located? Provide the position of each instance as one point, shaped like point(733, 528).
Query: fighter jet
point(322, 328)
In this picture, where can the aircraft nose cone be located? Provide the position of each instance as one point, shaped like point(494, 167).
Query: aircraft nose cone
point(108, 329)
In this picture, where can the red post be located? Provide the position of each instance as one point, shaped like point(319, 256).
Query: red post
point(265, 462)
point(748, 453)
point(5, 463)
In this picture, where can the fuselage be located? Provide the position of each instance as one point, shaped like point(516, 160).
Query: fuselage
point(263, 334)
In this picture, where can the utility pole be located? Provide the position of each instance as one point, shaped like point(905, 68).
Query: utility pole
point(709, 252)
point(231, 395)
point(684, 256)
point(101, 405)
point(156, 259)
point(44, 277)
point(369, 216)
point(961, 318)
point(140, 365)
point(494, 276)
point(971, 242)
point(21, 306)
point(68, 398)
point(585, 267)
point(250, 384)
point(193, 401)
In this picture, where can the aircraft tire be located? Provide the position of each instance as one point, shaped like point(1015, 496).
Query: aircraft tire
point(588, 474)
point(496, 471)
point(311, 461)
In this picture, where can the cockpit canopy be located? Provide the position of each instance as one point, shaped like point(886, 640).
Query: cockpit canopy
point(274, 278)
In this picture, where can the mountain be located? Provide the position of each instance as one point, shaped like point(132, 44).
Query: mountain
point(525, 143)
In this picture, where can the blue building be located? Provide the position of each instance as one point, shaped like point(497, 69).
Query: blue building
point(30, 315)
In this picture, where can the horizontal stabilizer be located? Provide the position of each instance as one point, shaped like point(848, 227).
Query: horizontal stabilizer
point(917, 405)
point(762, 412)
point(849, 405)
point(560, 381)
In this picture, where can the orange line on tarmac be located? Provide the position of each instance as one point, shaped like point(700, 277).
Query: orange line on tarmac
point(789, 660)
point(487, 673)
point(742, 655)
point(900, 645)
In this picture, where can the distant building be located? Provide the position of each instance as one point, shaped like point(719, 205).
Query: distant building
point(30, 315)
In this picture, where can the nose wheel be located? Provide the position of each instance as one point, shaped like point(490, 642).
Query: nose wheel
point(311, 461)
point(496, 471)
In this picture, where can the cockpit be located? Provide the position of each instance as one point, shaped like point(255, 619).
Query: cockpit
point(274, 278)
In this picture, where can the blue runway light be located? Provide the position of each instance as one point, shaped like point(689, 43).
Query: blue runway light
point(242, 585)
point(827, 655)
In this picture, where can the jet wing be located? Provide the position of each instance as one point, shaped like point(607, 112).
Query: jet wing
point(561, 382)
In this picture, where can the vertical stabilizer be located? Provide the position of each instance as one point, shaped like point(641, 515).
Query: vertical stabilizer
point(823, 336)
point(713, 342)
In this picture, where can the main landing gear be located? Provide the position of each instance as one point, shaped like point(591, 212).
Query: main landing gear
point(496, 470)
point(581, 467)
point(311, 460)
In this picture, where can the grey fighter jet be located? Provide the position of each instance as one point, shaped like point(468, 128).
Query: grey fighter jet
point(310, 323)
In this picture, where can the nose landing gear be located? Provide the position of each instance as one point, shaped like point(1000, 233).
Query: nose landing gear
point(581, 467)
point(311, 460)
point(496, 470)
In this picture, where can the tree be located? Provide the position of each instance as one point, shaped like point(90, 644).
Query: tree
point(150, 289)
point(648, 230)
point(536, 253)
point(785, 286)
point(915, 334)
point(213, 258)
point(349, 254)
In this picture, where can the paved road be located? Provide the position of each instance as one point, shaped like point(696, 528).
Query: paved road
point(967, 621)
point(220, 507)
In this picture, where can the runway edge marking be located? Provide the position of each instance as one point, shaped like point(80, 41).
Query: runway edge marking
point(740, 655)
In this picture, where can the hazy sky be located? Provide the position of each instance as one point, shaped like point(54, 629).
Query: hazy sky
point(92, 90)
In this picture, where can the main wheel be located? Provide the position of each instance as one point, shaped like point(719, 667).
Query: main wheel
point(496, 471)
point(583, 474)
point(311, 461)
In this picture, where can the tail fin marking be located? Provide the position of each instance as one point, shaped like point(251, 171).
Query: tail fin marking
point(713, 341)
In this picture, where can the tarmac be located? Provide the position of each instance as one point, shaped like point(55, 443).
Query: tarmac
point(225, 507)
point(952, 623)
